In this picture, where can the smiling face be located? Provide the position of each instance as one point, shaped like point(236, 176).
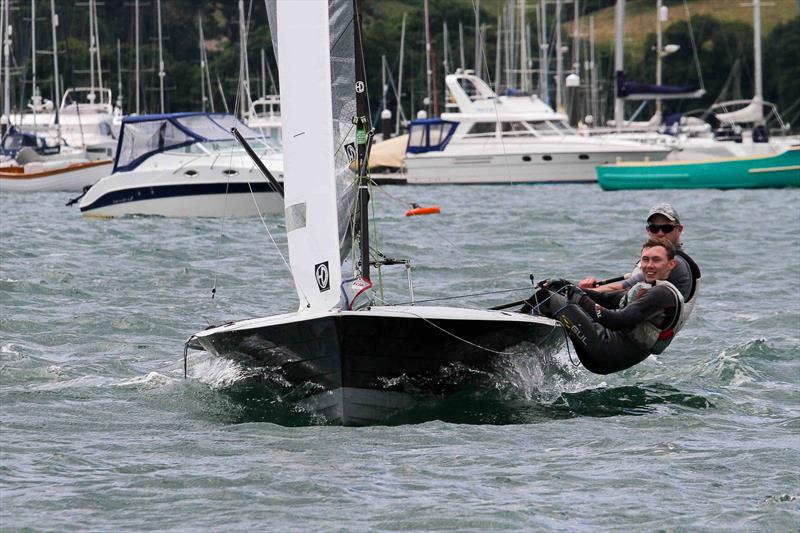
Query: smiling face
point(665, 228)
point(655, 263)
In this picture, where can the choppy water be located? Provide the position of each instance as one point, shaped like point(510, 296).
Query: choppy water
point(100, 432)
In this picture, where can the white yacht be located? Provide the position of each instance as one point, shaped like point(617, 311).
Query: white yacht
point(505, 139)
point(264, 115)
point(86, 117)
point(186, 165)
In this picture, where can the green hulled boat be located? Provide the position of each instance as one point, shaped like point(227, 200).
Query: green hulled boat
point(781, 170)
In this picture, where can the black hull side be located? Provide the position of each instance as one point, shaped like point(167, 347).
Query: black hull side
point(369, 351)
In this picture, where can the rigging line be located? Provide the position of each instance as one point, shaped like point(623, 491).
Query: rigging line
point(506, 164)
point(271, 238)
point(502, 291)
point(434, 230)
point(465, 341)
point(694, 45)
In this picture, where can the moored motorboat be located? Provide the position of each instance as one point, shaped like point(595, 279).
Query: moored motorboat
point(502, 139)
point(185, 165)
point(782, 170)
point(60, 175)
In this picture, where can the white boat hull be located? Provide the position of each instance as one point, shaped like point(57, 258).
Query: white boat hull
point(518, 166)
point(68, 178)
point(177, 185)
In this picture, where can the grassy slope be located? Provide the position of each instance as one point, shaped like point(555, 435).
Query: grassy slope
point(640, 17)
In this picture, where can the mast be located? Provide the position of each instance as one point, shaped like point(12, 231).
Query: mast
point(119, 76)
point(136, 31)
point(659, 47)
point(400, 76)
point(619, 58)
point(363, 126)
point(91, 50)
point(161, 72)
point(33, 60)
point(461, 44)
point(7, 31)
point(593, 72)
point(498, 53)
point(384, 87)
point(243, 87)
point(202, 65)
point(97, 46)
point(544, 57)
point(57, 96)
point(559, 60)
point(205, 74)
point(758, 97)
point(477, 63)
point(428, 72)
point(523, 49)
point(445, 45)
point(263, 73)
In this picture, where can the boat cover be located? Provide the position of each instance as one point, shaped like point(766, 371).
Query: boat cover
point(631, 90)
point(429, 135)
point(144, 135)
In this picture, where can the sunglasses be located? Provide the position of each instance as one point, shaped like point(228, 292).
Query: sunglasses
point(664, 228)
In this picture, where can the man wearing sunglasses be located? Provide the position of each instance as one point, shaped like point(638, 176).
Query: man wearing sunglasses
point(612, 331)
point(663, 222)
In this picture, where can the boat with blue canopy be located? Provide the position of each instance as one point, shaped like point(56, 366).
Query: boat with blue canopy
point(186, 164)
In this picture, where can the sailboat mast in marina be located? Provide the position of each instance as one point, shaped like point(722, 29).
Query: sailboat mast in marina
point(355, 358)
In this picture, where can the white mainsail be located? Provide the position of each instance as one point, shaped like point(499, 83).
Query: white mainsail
point(316, 65)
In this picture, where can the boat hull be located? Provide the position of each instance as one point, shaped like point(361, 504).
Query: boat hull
point(362, 366)
point(73, 177)
point(781, 170)
point(512, 166)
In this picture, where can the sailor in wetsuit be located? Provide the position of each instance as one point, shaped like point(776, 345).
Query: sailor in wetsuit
point(662, 222)
point(614, 330)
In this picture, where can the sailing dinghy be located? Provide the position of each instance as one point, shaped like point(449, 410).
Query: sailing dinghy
point(348, 353)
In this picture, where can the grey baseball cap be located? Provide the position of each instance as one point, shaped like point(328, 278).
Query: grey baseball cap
point(664, 209)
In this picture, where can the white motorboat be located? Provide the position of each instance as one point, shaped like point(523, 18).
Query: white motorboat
point(186, 165)
point(508, 139)
point(86, 118)
point(351, 361)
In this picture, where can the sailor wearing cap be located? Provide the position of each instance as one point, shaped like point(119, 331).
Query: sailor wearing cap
point(663, 222)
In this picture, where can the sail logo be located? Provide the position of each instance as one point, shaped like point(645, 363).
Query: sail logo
point(360, 87)
point(350, 149)
point(323, 276)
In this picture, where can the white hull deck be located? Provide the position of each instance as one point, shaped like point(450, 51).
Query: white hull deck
point(174, 185)
point(518, 165)
point(69, 177)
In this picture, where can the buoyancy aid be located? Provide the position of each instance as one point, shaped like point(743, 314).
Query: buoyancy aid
point(656, 333)
point(695, 270)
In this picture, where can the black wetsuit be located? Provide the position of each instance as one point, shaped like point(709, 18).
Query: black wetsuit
point(602, 334)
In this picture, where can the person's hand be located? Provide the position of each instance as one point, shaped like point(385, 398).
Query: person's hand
point(556, 284)
point(588, 283)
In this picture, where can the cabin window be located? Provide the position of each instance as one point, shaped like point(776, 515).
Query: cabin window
point(547, 157)
point(417, 135)
point(483, 129)
point(469, 88)
point(583, 156)
point(515, 127)
point(542, 128)
point(526, 158)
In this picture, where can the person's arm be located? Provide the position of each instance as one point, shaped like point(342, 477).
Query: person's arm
point(636, 312)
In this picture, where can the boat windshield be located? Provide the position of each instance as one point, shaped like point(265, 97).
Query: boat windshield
point(144, 136)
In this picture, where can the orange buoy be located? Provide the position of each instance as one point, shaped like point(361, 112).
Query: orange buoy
point(430, 210)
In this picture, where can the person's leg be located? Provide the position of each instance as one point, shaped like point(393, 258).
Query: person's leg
point(600, 350)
